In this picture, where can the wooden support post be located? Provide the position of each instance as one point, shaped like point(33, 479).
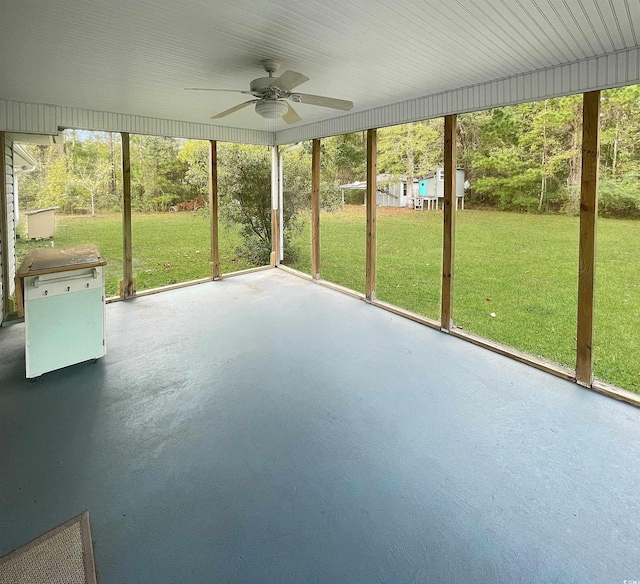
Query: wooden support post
point(127, 286)
point(588, 218)
point(275, 195)
point(213, 209)
point(4, 230)
point(449, 204)
point(315, 210)
point(372, 186)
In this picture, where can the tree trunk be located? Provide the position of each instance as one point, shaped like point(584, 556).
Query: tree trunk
point(574, 163)
point(112, 168)
point(615, 152)
point(543, 191)
point(62, 150)
point(543, 186)
point(410, 165)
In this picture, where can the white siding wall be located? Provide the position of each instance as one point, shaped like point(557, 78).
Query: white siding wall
point(11, 220)
point(8, 255)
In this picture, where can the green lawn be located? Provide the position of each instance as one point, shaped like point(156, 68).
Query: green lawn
point(521, 268)
point(167, 247)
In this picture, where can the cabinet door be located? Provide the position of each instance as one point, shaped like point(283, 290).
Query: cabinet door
point(63, 330)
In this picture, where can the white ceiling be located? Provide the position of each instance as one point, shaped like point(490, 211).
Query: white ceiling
point(135, 57)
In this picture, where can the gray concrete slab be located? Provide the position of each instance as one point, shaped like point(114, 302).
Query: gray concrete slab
point(267, 429)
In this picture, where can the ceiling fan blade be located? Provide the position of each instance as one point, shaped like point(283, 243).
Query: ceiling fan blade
point(232, 110)
point(289, 79)
point(340, 104)
point(291, 117)
point(208, 89)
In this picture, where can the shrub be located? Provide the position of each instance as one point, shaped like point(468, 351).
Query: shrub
point(330, 197)
point(619, 197)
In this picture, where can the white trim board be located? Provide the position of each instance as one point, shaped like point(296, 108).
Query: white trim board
point(34, 118)
point(608, 71)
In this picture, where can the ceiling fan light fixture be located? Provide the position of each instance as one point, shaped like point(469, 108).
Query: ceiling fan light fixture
point(271, 109)
point(271, 92)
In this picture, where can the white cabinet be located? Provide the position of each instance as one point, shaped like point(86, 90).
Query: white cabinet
point(62, 295)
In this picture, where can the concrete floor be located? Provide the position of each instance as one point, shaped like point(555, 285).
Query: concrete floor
point(266, 429)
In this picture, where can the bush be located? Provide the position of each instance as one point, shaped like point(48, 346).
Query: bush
point(616, 198)
point(161, 202)
point(571, 200)
point(330, 197)
point(619, 197)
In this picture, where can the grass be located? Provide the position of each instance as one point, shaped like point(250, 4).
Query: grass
point(168, 248)
point(520, 268)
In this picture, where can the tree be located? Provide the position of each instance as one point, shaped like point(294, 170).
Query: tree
point(244, 186)
point(410, 149)
point(158, 175)
point(90, 172)
point(77, 175)
point(620, 135)
point(344, 158)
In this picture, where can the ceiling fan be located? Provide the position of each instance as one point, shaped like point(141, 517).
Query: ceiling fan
point(271, 93)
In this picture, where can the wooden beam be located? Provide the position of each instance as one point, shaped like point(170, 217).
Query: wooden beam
point(537, 362)
point(372, 173)
point(275, 236)
point(588, 218)
point(295, 272)
point(435, 324)
point(213, 209)
point(448, 245)
point(275, 195)
point(4, 230)
point(127, 287)
point(315, 210)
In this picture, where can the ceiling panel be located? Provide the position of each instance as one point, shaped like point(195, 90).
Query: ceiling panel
point(136, 57)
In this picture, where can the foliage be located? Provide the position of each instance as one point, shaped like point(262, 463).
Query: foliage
point(195, 155)
point(330, 198)
point(619, 197)
point(343, 158)
point(80, 176)
point(410, 150)
point(523, 157)
point(158, 174)
point(83, 175)
point(244, 187)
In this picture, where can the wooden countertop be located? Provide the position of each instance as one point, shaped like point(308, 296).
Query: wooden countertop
point(50, 260)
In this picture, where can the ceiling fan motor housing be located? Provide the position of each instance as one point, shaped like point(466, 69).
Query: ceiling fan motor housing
point(266, 87)
point(270, 93)
point(271, 109)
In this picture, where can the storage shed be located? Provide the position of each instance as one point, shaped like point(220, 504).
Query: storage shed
point(391, 190)
point(41, 222)
point(432, 187)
